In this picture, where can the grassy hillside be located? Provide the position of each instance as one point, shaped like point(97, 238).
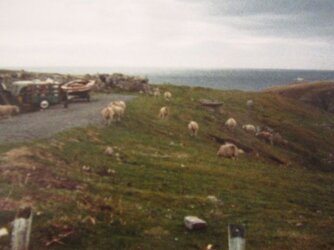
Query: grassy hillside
point(296, 90)
point(137, 198)
point(318, 94)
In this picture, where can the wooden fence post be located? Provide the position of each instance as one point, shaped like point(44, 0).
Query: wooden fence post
point(236, 237)
point(22, 229)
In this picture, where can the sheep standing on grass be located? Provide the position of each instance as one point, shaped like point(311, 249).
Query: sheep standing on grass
point(164, 112)
point(193, 128)
point(231, 123)
point(167, 95)
point(121, 104)
point(118, 111)
point(156, 92)
point(8, 110)
point(249, 128)
point(250, 104)
point(107, 115)
point(229, 150)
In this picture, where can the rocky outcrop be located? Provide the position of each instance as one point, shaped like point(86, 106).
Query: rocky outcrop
point(125, 82)
point(104, 82)
point(8, 77)
point(319, 94)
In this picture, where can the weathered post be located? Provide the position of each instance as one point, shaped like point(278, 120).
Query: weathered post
point(22, 229)
point(236, 237)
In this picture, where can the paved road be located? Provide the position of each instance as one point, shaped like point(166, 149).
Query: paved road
point(43, 124)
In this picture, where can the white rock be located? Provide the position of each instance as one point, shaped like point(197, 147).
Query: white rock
point(111, 171)
point(85, 168)
point(209, 247)
point(212, 198)
point(3, 232)
point(194, 223)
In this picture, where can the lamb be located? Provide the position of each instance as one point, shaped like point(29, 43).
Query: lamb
point(231, 123)
point(8, 110)
point(107, 115)
point(167, 95)
point(249, 128)
point(229, 150)
point(193, 128)
point(164, 112)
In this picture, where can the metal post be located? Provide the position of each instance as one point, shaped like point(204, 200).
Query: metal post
point(22, 229)
point(236, 237)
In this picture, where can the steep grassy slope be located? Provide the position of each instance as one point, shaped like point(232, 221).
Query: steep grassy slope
point(319, 94)
point(137, 198)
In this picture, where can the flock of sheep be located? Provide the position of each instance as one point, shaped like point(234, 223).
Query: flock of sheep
point(267, 134)
point(116, 110)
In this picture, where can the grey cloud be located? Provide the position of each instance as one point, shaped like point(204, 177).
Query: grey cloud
point(285, 18)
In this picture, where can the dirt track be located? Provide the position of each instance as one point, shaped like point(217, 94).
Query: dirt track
point(43, 124)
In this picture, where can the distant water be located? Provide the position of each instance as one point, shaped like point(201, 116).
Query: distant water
point(241, 79)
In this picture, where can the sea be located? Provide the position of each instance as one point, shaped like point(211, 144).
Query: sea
point(238, 79)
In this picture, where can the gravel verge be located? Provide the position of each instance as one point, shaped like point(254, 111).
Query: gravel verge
point(43, 124)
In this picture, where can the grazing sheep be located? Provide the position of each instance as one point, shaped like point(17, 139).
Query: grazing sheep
point(193, 128)
point(164, 112)
point(267, 136)
point(231, 123)
point(118, 111)
point(8, 110)
point(250, 104)
point(107, 115)
point(229, 150)
point(249, 128)
point(156, 92)
point(118, 103)
point(109, 151)
point(167, 95)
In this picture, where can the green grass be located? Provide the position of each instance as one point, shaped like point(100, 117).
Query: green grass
point(163, 174)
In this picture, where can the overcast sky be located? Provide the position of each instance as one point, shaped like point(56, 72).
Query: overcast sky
point(292, 34)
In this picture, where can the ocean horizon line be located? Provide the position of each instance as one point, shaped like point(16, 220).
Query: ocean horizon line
point(241, 79)
point(148, 68)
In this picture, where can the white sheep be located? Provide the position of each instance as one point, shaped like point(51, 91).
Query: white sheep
point(250, 104)
point(8, 110)
point(156, 92)
point(249, 128)
point(231, 123)
point(193, 128)
point(167, 95)
point(164, 112)
point(118, 111)
point(107, 115)
point(229, 150)
point(118, 103)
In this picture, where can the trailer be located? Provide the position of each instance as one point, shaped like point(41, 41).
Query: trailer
point(78, 89)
